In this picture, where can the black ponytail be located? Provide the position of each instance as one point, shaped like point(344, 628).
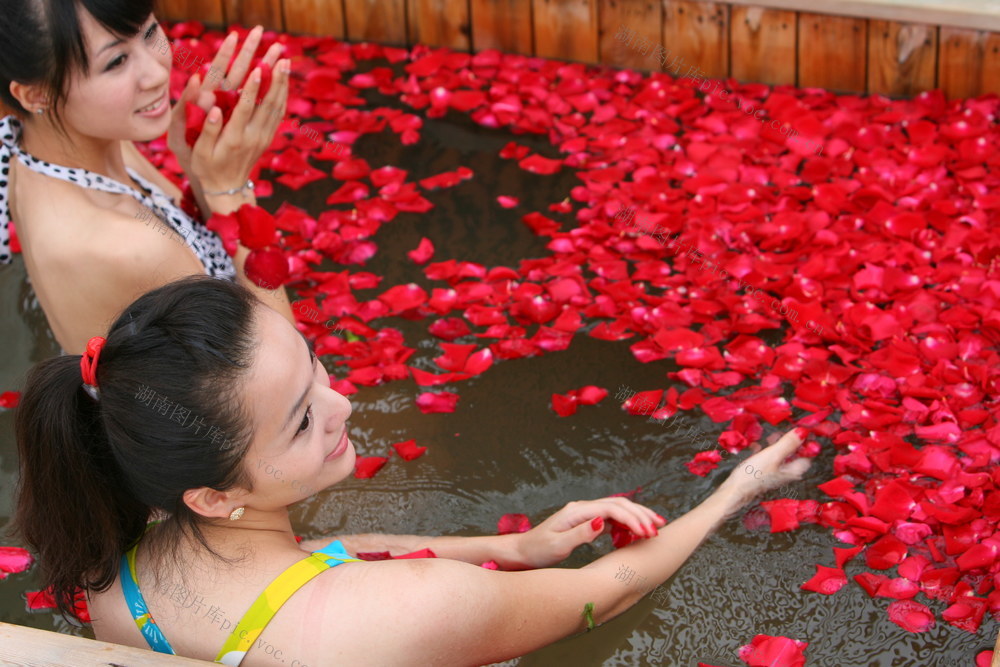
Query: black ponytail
point(168, 419)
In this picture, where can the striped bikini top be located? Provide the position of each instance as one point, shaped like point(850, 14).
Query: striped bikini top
point(158, 206)
point(252, 624)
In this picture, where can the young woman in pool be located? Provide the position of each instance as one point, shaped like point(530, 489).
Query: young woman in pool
point(208, 407)
point(85, 80)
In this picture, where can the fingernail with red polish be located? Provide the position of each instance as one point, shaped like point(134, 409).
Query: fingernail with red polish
point(597, 523)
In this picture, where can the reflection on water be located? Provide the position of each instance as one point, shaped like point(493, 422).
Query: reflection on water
point(504, 450)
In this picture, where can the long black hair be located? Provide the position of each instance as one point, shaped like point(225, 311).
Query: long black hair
point(168, 418)
point(41, 42)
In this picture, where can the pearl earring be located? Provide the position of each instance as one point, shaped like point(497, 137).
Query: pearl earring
point(40, 111)
point(236, 514)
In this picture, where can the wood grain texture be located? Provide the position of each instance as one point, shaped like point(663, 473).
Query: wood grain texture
point(696, 34)
point(502, 24)
point(566, 29)
point(206, 11)
point(315, 17)
point(28, 646)
point(901, 58)
point(977, 14)
point(968, 63)
point(249, 13)
point(381, 21)
point(763, 45)
point(439, 23)
point(831, 52)
point(631, 33)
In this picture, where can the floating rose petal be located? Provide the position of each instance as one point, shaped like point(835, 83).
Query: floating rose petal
point(10, 399)
point(430, 403)
point(409, 450)
point(508, 202)
point(513, 523)
point(767, 651)
point(14, 560)
point(423, 252)
point(366, 466)
point(827, 580)
point(911, 616)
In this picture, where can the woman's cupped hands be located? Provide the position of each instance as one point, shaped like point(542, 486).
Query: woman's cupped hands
point(224, 154)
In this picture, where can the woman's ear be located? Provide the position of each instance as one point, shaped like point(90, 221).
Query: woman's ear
point(212, 504)
point(32, 97)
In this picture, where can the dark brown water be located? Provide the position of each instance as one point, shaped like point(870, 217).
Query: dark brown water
point(504, 450)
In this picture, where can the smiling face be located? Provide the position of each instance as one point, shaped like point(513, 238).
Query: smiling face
point(125, 94)
point(300, 443)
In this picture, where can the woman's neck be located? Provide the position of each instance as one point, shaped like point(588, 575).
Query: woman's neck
point(42, 140)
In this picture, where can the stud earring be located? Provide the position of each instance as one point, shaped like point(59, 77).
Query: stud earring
point(40, 111)
point(236, 514)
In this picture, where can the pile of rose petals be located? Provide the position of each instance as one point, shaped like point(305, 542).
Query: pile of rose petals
point(874, 262)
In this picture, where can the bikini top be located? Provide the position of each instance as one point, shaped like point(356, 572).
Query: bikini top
point(252, 624)
point(205, 243)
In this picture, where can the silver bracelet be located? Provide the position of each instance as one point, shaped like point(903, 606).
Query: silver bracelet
point(249, 185)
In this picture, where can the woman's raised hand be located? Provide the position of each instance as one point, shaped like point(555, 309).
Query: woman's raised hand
point(767, 469)
point(580, 521)
point(223, 157)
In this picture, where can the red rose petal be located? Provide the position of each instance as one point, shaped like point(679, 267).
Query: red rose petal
point(911, 616)
point(430, 403)
point(14, 560)
point(767, 651)
point(10, 399)
point(513, 523)
point(827, 580)
point(365, 467)
point(423, 252)
point(409, 450)
point(267, 268)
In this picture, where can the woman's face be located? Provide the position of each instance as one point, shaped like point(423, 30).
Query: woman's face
point(300, 443)
point(125, 94)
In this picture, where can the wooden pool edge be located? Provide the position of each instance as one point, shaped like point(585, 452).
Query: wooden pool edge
point(20, 645)
point(873, 48)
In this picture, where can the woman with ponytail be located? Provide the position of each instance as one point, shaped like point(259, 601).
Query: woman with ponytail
point(198, 409)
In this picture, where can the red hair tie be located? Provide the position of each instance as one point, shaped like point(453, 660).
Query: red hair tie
point(88, 364)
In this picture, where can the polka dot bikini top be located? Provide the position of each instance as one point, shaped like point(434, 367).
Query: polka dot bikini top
point(205, 243)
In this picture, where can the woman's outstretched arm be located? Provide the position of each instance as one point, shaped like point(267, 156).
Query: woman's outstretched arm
point(447, 613)
point(545, 545)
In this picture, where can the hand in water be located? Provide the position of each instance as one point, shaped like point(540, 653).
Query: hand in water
point(767, 469)
point(579, 522)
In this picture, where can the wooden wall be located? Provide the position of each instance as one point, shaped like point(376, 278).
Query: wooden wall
point(746, 42)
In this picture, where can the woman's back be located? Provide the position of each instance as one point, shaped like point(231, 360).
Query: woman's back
point(80, 247)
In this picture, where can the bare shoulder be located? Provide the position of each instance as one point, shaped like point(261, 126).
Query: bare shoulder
point(442, 612)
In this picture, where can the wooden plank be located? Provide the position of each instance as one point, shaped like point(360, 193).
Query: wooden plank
point(901, 58)
point(763, 45)
point(381, 21)
point(968, 63)
point(631, 32)
point(315, 17)
point(831, 52)
point(29, 646)
point(249, 13)
point(977, 14)
point(566, 29)
point(696, 33)
point(206, 11)
point(502, 24)
point(439, 23)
